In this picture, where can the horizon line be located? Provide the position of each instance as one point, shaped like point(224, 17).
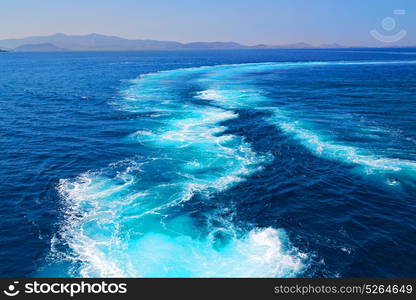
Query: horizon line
point(300, 44)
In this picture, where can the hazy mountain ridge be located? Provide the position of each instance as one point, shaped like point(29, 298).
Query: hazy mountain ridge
point(96, 42)
point(103, 42)
point(38, 47)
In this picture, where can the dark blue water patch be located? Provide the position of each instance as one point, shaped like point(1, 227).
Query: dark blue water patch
point(59, 118)
point(300, 194)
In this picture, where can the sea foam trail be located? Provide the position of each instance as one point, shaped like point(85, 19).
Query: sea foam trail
point(225, 86)
point(128, 219)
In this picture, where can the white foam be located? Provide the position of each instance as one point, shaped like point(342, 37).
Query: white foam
point(116, 223)
point(93, 229)
point(232, 96)
point(115, 219)
point(348, 154)
point(209, 95)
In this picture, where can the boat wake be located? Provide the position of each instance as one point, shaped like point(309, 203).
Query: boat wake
point(156, 215)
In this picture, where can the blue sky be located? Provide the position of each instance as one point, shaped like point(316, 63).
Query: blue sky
point(246, 21)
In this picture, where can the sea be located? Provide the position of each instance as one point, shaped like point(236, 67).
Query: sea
point(217, 163)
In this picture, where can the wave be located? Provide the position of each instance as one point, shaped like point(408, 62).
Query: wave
point(107, 234)
point(227, 89)
point(129, 219)
point(319, 146)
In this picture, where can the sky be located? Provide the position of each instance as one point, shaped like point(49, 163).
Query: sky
point(273, 22)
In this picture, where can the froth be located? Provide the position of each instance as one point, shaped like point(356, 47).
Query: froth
point(117, 219)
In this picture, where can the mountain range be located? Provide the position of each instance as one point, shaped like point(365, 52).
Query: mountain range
point(96, 42)
point(37, 47)
point(100, 42)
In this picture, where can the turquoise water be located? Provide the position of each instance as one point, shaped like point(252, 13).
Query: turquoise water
point(211, 164)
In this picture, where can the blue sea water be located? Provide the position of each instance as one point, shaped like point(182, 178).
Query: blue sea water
point(242, 163)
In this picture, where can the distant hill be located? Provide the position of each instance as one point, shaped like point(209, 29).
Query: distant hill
point(214, 45)
point(2, 50)
point(103, 42)
point(334, 45)
point(38, 47)
point(296, 46)
point(98, 42)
